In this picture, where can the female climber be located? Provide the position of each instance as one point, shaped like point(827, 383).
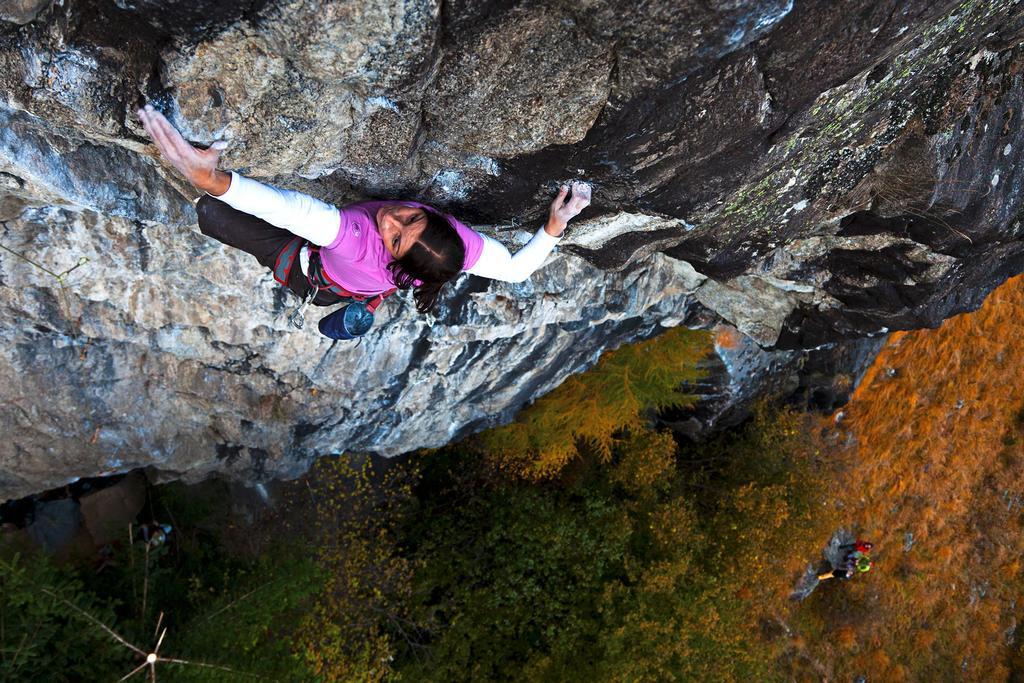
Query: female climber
point(361, 252)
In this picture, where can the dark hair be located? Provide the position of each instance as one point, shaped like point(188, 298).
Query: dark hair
point(434, 259)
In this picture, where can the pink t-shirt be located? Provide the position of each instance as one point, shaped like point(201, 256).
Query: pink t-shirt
point(357, 259)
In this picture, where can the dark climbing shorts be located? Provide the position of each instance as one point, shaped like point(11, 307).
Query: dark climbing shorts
point(257, 237)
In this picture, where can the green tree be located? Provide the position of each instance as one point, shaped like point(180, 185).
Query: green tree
point(510, 576)
point(361, 611)
point(42, 637)
point(251, 628)
point(651, 563)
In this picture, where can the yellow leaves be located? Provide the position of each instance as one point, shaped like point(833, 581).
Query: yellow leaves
point(648, 457)
point(924, 639)
point(366, 581)
point(663, 577)
point(879, 661)
point(727, 337)
point(593, 407)
point(673, 523)
point(897, 487)
point(1011, 569)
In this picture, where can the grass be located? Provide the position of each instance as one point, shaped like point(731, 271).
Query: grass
point(930, 445)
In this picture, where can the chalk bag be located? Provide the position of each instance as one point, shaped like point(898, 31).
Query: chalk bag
point(348, 322)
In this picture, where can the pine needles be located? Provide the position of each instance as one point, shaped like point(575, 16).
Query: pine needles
point(595, 407)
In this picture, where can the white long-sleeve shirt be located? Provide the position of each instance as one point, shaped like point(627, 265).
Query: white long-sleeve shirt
point(319, 223)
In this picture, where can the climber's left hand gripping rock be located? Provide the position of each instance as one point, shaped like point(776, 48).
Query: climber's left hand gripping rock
point(199, 166)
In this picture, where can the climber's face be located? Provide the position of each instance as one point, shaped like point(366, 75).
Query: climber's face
point(400, 226)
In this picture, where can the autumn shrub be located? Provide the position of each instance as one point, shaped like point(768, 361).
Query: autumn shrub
point(646, 462)
point(930, 467)
point(360, 613)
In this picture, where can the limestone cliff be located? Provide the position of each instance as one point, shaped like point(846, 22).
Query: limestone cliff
point(806, 171)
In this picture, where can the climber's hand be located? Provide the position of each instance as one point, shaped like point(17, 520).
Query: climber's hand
point(563, 211)
point(199, 166)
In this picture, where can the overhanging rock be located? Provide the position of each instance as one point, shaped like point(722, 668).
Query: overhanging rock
point(809, 172)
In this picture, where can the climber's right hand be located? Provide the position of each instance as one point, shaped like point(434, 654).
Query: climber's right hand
point(199, 166)
point(562, 211)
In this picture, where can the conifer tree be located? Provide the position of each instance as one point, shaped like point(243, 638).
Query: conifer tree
point(619, 393)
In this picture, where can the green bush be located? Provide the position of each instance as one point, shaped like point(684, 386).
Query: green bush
point(42, 636)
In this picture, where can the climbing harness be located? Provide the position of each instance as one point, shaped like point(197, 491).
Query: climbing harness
point(318, 277)
point(352, 320)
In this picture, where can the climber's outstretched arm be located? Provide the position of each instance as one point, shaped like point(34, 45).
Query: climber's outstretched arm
point(296, 212)
point(301, 214)
point(497, 263)
point(319, 222)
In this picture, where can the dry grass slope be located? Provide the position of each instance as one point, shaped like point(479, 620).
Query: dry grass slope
point(930, 465)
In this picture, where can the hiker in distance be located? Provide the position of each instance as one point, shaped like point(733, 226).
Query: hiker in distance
point(359, 253)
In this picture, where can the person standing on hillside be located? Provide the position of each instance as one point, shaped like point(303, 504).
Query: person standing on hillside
point(854, 565)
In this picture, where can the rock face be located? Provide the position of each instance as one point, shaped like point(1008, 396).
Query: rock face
point(807, 172)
